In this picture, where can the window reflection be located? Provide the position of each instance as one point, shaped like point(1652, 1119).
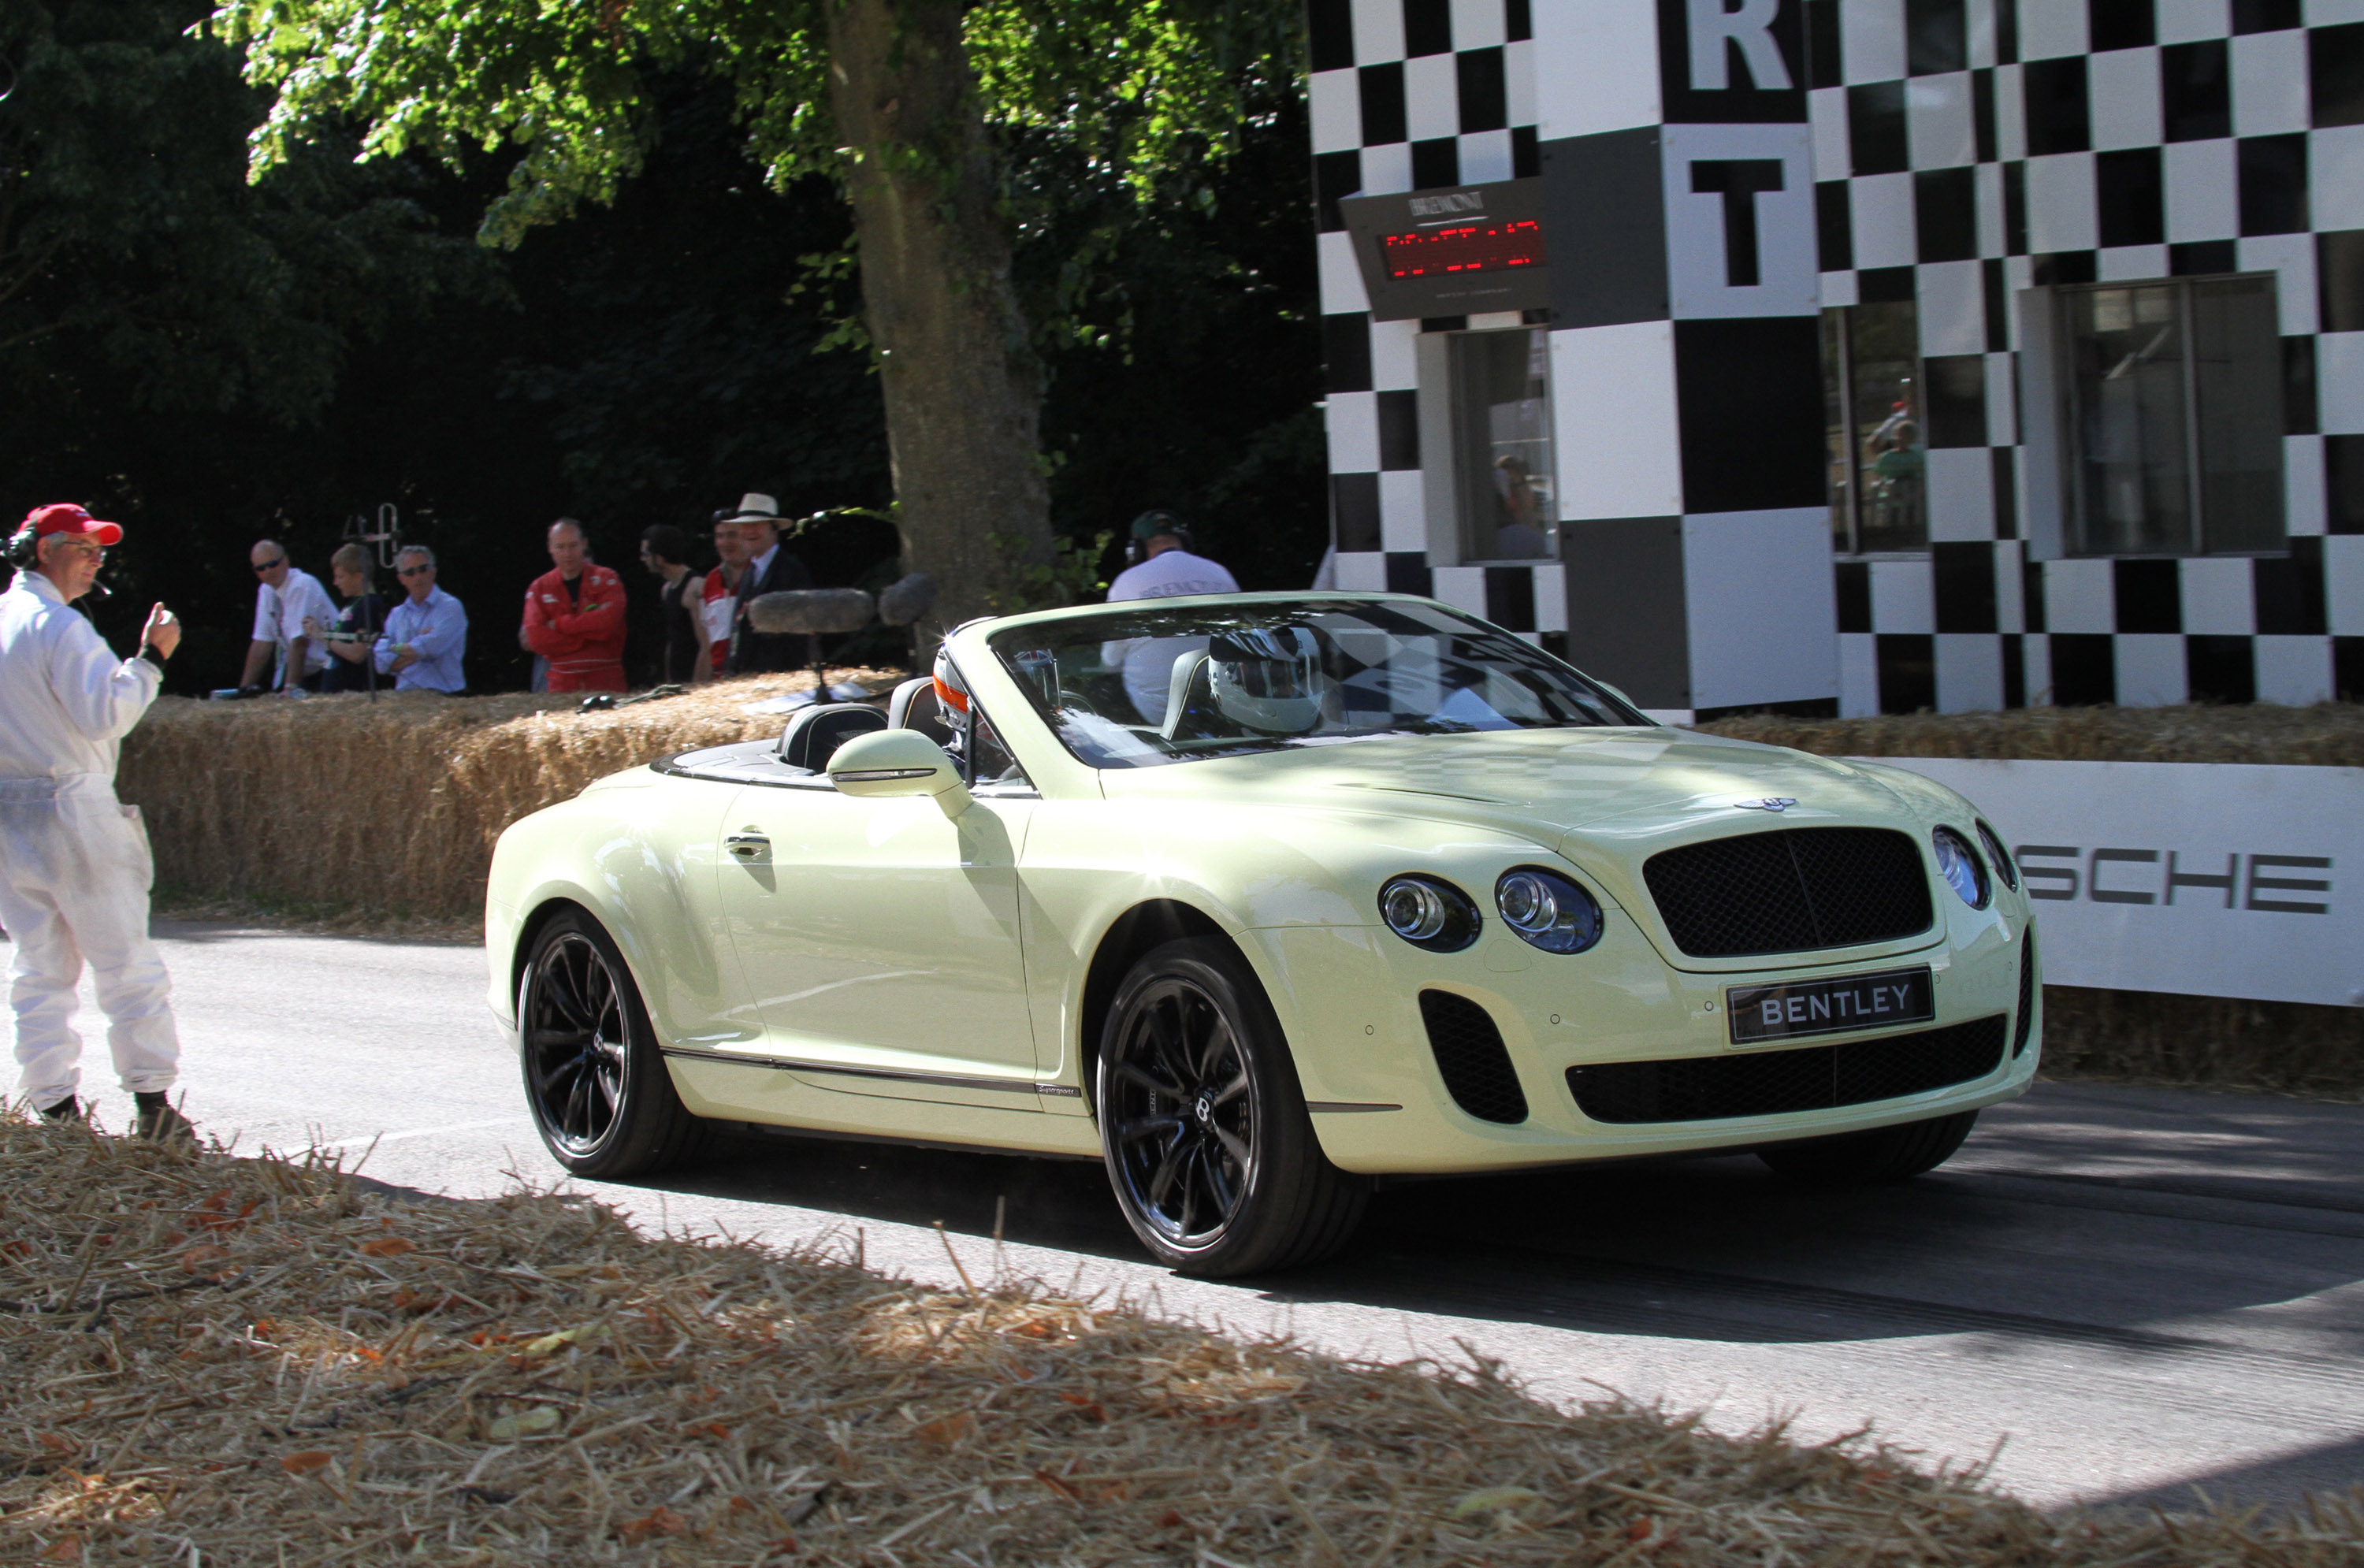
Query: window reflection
point(1268, 676)
point(1876, 446)
point(1501, 415)
point(2175, 416)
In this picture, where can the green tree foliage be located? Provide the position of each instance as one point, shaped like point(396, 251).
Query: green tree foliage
point(1184, 352)
point(639, 362)
point(907, 103)
point(128, 237)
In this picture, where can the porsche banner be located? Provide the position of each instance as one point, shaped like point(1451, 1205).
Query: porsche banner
point(2207, 879)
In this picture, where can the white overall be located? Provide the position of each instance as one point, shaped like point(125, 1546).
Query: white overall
point(75, 866)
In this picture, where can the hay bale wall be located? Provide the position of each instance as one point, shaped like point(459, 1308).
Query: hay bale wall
point(2328, 735)
point(394, 804)
point(395, 807)
point(2146, 1036)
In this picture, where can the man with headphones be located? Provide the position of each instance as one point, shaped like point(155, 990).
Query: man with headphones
point(1164, 566)
point(75, 867)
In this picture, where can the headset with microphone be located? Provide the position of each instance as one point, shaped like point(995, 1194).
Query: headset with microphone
point(1148, 526)
point(24, 553)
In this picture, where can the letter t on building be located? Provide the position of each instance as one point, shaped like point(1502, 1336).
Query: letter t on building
point(1738, 181)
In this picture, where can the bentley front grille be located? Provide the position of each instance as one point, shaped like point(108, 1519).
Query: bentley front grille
point(1471, 1056)
point(1768, 1083)
point(1796, 890)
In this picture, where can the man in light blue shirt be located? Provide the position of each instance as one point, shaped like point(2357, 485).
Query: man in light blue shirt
point(426, 633)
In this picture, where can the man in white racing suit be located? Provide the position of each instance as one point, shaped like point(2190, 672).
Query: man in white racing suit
point(75, 867)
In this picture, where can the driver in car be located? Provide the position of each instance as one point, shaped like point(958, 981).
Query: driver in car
point(1266, 681)
point(977, 749)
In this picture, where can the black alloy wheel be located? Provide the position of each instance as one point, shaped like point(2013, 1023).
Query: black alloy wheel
point(594, 1080)
point(1203, 1124)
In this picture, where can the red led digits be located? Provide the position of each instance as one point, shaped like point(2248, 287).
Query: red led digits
point(1465, 247)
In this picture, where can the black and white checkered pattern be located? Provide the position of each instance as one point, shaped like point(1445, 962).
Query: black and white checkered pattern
point(1953, 152)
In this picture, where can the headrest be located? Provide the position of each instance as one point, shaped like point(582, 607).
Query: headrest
point(813, 733)
point(899, 706)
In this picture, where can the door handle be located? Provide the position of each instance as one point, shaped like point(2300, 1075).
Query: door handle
point(748, 846)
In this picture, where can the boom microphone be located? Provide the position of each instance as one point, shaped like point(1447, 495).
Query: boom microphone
point(811, 611)
point(907, 599)
point(23, 549)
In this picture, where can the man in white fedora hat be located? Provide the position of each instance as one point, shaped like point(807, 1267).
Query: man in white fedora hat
point(770, 570)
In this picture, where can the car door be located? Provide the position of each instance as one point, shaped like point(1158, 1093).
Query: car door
point(879, 940)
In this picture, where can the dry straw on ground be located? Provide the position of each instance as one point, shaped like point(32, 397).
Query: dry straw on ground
point(219, 1361)
point(394, 806)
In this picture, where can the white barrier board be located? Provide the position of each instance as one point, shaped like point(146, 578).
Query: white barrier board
point(2204, 878)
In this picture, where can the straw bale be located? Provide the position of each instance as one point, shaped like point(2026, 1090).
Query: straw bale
point(394, 806)
point(2328, 735)
point(2155, 1037)
point(219, 1361)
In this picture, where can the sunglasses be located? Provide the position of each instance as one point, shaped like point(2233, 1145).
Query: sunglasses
point(272, 565)
point(412, 571)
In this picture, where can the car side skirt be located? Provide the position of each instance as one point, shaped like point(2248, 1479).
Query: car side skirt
point(779, 1094)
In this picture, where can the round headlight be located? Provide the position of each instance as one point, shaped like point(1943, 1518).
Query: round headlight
point(1429, 914)
point(1958, 863)
point(1547, 909)
point(1999, 857)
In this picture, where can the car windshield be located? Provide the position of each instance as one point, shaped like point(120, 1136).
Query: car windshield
point(1140, 687)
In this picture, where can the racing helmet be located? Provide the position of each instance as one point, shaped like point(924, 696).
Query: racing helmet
point(952, 698)
point(1268, 679)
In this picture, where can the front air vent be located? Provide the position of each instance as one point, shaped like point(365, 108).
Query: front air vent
point(1797, 890)
point(2024, 1021)
point(1470, 1055)
point(1771, 1083)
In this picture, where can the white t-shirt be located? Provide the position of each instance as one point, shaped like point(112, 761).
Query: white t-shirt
point(1148, 662)
point(279, 617)
point(1170, 576)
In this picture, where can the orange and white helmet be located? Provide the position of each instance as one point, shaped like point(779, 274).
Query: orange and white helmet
point(952, 695)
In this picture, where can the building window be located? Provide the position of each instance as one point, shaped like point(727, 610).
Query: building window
point(2173, 417)
point(1877, 446)
point(1502, 445)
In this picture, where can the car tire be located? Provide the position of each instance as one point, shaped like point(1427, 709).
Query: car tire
point(594, 1079)
point(1203, 1125)
point(1859, 1159)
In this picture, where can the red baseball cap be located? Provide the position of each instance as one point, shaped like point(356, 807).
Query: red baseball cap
point(65, 517)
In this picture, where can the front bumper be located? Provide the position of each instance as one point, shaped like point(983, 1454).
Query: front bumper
point(1349, 1001)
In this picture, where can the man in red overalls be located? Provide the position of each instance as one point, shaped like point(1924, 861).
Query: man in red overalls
point(575, 616)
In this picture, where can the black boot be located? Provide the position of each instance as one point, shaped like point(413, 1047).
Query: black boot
point(158, 1122)
point(67, 1109)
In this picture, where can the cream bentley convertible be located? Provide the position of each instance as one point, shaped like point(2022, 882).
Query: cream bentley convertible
point(1257, 898)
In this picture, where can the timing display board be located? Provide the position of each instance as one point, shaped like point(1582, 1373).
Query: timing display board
point(1458, 250)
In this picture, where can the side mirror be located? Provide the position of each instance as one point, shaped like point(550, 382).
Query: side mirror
point(898, 762)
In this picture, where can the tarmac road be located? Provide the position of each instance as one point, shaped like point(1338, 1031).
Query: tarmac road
point(2132, 1291)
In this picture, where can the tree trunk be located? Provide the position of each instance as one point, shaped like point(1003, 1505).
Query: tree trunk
point(963, 396)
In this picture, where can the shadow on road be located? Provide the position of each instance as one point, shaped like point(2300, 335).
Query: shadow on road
point(2331, 1468)
point(1704, 1249)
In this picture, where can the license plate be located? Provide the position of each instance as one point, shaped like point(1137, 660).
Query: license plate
point(1797, 1009)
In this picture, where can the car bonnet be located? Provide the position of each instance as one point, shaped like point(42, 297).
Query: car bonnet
point(1542, 784)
